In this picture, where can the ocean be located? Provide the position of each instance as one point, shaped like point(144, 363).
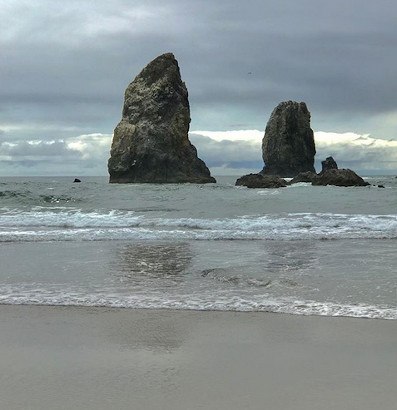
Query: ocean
point(301, 250)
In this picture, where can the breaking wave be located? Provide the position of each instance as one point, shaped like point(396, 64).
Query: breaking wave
point(64, 224)
point(74, 297)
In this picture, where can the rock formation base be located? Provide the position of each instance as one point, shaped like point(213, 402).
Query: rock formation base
point(261, 181)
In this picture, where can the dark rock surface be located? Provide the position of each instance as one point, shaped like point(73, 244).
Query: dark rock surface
point(288, 145)
point(261, 181)
point(77, 180)
point(339, 177)
point(150, 143)
point(304, 177)
point(328, 163)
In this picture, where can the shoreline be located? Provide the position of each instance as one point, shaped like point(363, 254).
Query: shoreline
point(80, 357)
point(335, 278)
point(172, 309)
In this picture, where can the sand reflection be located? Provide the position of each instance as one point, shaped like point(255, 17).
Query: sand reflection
point(154, 260)
point(283, 257)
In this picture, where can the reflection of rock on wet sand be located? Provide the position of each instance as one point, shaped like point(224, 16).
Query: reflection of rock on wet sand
point(287, 261)
point(289, 256)
point(154, 260)
point(139, 265)
point(272, 264)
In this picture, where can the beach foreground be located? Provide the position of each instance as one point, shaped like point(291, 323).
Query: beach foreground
point(101, 358)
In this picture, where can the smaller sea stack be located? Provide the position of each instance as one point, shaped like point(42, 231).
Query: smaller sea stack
point(288, 145)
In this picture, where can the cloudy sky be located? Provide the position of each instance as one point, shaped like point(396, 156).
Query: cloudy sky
point(65, 65)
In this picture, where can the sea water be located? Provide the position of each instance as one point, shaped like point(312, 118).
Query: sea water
point(301, 249)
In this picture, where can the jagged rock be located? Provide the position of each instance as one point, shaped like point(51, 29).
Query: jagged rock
point(261, 181)
point(150, 143)
point(288, 145)
point(339, 177)
point(77, 180)
point(304, 177)
point(328, 163)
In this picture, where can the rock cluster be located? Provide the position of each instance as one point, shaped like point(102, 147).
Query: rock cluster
point(150, 143)
point(288, 145)
point(331, 175)
point(339, 177)
point(288, 150)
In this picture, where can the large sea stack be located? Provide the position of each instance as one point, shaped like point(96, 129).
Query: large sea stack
point(288, 145)
point(150, 143)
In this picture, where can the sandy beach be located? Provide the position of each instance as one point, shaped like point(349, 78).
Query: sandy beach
point(101, 358)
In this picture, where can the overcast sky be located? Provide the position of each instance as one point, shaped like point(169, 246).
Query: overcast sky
point(65, 65)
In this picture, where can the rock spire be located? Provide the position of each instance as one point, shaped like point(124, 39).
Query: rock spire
point(328, 163)
point(150, 143)
point(288, 145)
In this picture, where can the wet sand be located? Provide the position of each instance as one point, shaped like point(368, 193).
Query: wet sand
point(100, 358)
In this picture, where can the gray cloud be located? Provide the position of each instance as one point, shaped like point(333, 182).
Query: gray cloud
point(81, 155)
point(363, 154)
point(228, 154)
point(88, 154)
point(64, 67)
point(36, 149)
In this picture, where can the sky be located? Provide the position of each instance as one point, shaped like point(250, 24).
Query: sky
point(64, 67)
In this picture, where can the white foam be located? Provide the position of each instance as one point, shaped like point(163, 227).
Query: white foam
point(37, 225)
point(156, 300)
point(68, 217)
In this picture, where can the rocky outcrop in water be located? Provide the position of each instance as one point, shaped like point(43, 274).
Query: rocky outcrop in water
point(288, 145)
point(261, 181)
point(331, 175)
point(339, 177)
point(150, 143)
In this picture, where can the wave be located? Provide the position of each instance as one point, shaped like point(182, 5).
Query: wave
point(74, 224)
point(29, 198)
point(62, 217)
point(62, 297)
